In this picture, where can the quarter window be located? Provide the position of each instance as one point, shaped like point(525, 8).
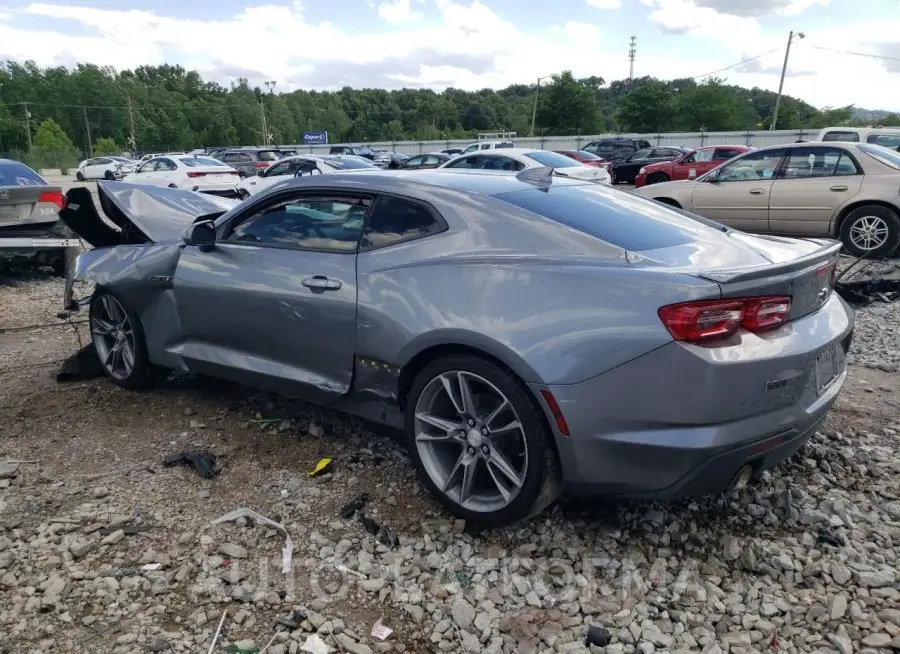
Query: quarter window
point(753, 167)
point(395, 221)
point(327, 224)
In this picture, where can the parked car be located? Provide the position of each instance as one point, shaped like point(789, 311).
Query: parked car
point(624, 171)
point(249, 161)
point(188, 172)
point(525, 337)
point(480, 146)
point(389, 160)
point(587, 158)
point(518, 159)
point(151, 155)
point(427, 160)
point(107, 167)
point(452, 151)
point(305, 164)
point(688, 166)
point(616, 148)
point(836, 189)
point(30, 229)
point(381, 158)
point(888, 137)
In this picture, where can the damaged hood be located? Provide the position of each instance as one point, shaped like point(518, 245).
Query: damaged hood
point(141, 214)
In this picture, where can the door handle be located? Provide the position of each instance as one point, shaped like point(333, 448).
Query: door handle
point(321, 283)
point(838, 188)
point(757, 191)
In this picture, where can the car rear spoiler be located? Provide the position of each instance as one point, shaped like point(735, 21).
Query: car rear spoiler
point(138, 214)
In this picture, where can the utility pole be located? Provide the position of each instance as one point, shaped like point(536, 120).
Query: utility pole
point(787, 52)
point(27, 124)
point(133, 144)
point(87, 127)
point(270, 85)
point(537, 91)
point(632, 51)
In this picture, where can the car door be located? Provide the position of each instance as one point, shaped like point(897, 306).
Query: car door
point(738, 193)
point(273, 303)
point(147, 173)
point(694, 165)
point(809, 188)
point(413, 162)
point(628, 168)
point(167, 173)
point(96, 168)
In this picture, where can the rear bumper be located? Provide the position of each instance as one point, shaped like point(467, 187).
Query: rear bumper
point(681, 421)
point(37, 236)
point(640, 180)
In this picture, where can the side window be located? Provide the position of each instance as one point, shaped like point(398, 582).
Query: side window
point(394, 221)
point(165, 164)
point(486, 146)
point(245, 158)
point(471, 148)
point(660, 153)
point(465, 162)
point(591, 147)
point(724, 154)
point(430, 160)
point(102, 161)
point(757, 166)
point(691, 158)
point(805, 163)
point(230, 157)
point(307, 223)
point(283, 168)
point(640, 155)
point(147, 167)
point(840, 135)
point(701, 156)
point(412, 162)
point(891, 141)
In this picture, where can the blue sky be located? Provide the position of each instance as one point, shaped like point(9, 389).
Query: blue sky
point(475, 43)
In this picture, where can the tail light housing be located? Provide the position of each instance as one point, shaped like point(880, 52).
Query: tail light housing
point(261, 164)
point(828, 273)
point(195, 174)
point(53, 196)
point(710, 320)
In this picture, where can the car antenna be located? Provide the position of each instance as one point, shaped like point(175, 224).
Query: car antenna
point(542, 176)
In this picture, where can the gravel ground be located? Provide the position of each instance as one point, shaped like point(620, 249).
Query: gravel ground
point(104, 549)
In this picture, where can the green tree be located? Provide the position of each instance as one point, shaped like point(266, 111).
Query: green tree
point(647, 108)
point(52, 147)
point(566, 106)
point(106, 145)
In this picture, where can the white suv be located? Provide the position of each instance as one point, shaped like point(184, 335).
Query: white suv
point(486, 145)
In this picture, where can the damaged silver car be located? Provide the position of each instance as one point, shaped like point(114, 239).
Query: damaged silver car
point(527, 333)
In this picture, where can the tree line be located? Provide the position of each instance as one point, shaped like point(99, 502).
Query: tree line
point(63, 113)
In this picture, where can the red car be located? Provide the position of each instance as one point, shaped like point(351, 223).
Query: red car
point(688, 166)
point(587, 158)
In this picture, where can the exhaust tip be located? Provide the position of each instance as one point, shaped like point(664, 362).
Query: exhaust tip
point(742, 478)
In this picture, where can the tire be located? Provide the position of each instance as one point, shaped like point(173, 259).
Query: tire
point(668, 201)
point(172, 186)
point(242, 175)
point(108, 176)
point(885, 223)
point(142, 374)
point(65, 262)
point(657, 178)
point(79, 177)
point(243, 195)
point(527, 450)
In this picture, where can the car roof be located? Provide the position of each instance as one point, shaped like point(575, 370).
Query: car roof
point(502, 152)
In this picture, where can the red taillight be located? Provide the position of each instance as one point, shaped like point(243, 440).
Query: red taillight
point(193, 174)
point(53, 196)
point(828, 273)
point(234, 172)
point(261, 164)
point(709, 320)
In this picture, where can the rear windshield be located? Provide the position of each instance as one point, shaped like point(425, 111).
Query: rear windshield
point(347, 163)
point(887, 157)
point(552, 159)
point(201, 161)
point(505, 144)
point(12, 173)
point(590, 156)
point(269, 155)
point(619, 219)
point(849, 137)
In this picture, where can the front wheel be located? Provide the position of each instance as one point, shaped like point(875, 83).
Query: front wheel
point(871, 230)
point(657, 178)
point(479, 442)
point(120, 344)
point(108, 176)
point(243, 195)
point(79, 176)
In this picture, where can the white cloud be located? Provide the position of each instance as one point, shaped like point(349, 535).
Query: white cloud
point(605, 4)
point(466, 45)
point(399, 11)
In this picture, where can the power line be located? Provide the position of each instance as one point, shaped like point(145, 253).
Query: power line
point(850, 52)
point(762, 54)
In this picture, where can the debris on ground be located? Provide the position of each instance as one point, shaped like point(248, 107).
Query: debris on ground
point(203, 462)
point(380, 630)
point(286, 553)
point(322, 467)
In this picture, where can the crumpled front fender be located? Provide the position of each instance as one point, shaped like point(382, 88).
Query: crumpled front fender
point(143, 268)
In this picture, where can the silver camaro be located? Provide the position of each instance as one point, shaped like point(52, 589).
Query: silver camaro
point(527, 333)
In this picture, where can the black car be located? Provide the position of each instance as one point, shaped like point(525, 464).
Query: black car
point(625, 170)
point(427, 160)
point(616, 149)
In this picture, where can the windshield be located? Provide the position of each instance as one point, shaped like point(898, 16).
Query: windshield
point(349, 164)
point(12, 173)
point(553, 159)
point(363, 150)
point(887, 157)
point(884, 140)
point(193, 162)
point(269, 155)
point(122, 159)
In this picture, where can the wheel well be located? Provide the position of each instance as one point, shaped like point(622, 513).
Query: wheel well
point(658, 173)
point(856, 205)
point(426, 356)
point(669, 201)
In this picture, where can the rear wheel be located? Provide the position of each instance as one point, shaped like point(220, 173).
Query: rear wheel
point(172, 186)
point(479, 442)
point(668, 201)
point(657, 178)
point(243, 195)
point(119, 341)
point(871, 230)
point(109, 176)
point(79, 177)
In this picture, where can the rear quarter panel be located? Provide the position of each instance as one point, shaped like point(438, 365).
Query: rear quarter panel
point(552, 320)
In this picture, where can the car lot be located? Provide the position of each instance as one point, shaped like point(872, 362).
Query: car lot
point(806, 559)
